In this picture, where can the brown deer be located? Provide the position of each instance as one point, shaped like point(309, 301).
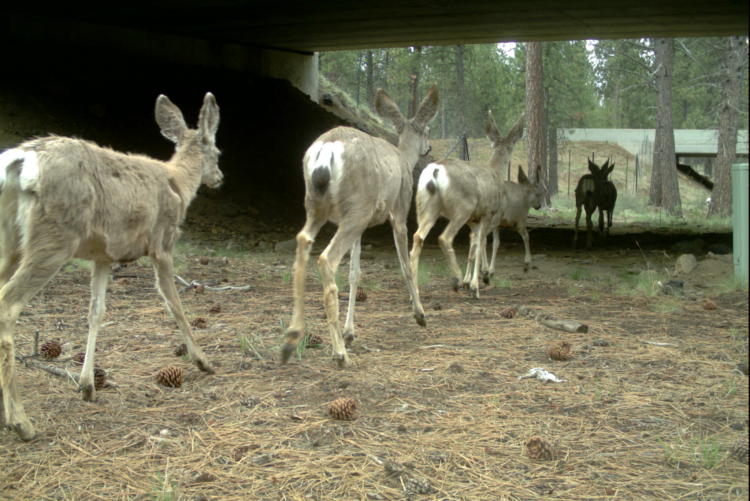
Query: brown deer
point(356, 181)
point(594, 191)
point(62, 198)
point(463, 194)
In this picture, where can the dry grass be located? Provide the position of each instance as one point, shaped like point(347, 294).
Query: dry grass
point(442, 405)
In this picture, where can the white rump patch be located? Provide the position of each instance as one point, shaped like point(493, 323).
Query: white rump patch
point(29, 170)
point(326, 155)
point(433, 172)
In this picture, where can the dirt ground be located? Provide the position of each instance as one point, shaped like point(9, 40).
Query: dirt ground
point(442, 413)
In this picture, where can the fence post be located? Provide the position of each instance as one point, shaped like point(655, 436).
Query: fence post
point(568, 173)
point(626, 173)
point(636, 174)
point(739, 222)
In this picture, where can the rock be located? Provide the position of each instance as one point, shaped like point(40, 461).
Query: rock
point(286, 246)
point(685, 264)
point(672, 288)
point(723, 257)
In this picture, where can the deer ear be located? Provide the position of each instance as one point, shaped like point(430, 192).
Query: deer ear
point(515, 132)
point(611, 168)
point(386, 108)
point(522, 179)
point(427, 109)
point(208, 119)
point(490, 129)
point(170, 119)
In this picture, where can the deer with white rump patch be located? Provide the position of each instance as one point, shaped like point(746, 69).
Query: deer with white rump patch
point(62, 198)
point(356, 181)
point(463, 194)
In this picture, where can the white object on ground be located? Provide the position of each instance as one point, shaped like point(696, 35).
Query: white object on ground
point(541, 374)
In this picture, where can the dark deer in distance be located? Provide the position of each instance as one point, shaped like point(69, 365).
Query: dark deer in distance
point(595, 191)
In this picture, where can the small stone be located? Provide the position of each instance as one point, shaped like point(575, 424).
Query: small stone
point(456, 368)
point(601, 342)
point(203, 260)
point(709, 304)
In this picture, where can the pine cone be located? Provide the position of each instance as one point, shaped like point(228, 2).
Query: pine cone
point(361, 295)
point(50, 350)
point(538, 448)
point(314, 340)
point(181, 350)
point(560, 350)
point(739, 451)
point(100, 378)
point(509, 312)
point(415, 485)
point(215, 309)
point(170, 376)
point(344, 409)
point(79, 357)
point(199, 323)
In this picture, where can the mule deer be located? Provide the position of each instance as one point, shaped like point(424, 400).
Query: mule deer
point(62, 198)
point(594, 191)
point(356, 181)
point(515, 201)
point(463, 194)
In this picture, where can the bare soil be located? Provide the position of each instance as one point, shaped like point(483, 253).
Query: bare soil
point(442, 413)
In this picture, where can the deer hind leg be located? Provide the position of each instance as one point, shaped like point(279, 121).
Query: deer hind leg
point(575, 231)
point(601, 221)
point(480, 232)
point(354, 273)
point(427, 221)
point(97, 307)
point(609, 221)
point(470, 256)
point(165, 283)
point(328, 263)
point(40, 263)
point(589, 228)
point(446, 244)
point(402, 249)
point(305, 239)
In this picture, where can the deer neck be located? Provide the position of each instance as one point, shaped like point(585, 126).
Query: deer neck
point(408, 147)
point(186, 169)
point(499, 158)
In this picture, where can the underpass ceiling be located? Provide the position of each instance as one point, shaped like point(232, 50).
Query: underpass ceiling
point(320, 25)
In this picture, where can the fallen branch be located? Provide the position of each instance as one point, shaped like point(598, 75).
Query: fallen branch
point(195, 284)
point(551, 322)
point(63, 373)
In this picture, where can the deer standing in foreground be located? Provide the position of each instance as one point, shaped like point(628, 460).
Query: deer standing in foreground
point(594, 191)
point(356, 181)
point(463, 194)
point(62, 198)
point(515, 201)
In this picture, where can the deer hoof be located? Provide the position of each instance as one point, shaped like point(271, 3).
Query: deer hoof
point(526, 267)
point(204, 366)
point(25, 431)
point(419, 317)
point(286, 352)
point(456, 283)
point(342, 360)
point(88, 393)
point(486, 278)
point(348, 339)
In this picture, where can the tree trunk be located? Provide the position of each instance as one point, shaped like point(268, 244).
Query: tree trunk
point(369, 79)
point(721, 196)
point(535, 137)
point(664, 190)
point(460, 92)
point(552, 187)
point(417, 60)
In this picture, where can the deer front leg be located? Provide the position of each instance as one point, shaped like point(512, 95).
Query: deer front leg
point(97, 307)
point(165, 283)
point(495, 245)
point(575, 231)
point(589, 229)
point(481, 231)
point(426, 222)
point(601, 221)
point(527, 250)
point(305, 239)
point(402, 249)
point(354, 273)
point(470, 257)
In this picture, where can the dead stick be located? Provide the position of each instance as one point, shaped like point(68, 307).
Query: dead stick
point(553, 323)
point(63, 373)
point(195, 283)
